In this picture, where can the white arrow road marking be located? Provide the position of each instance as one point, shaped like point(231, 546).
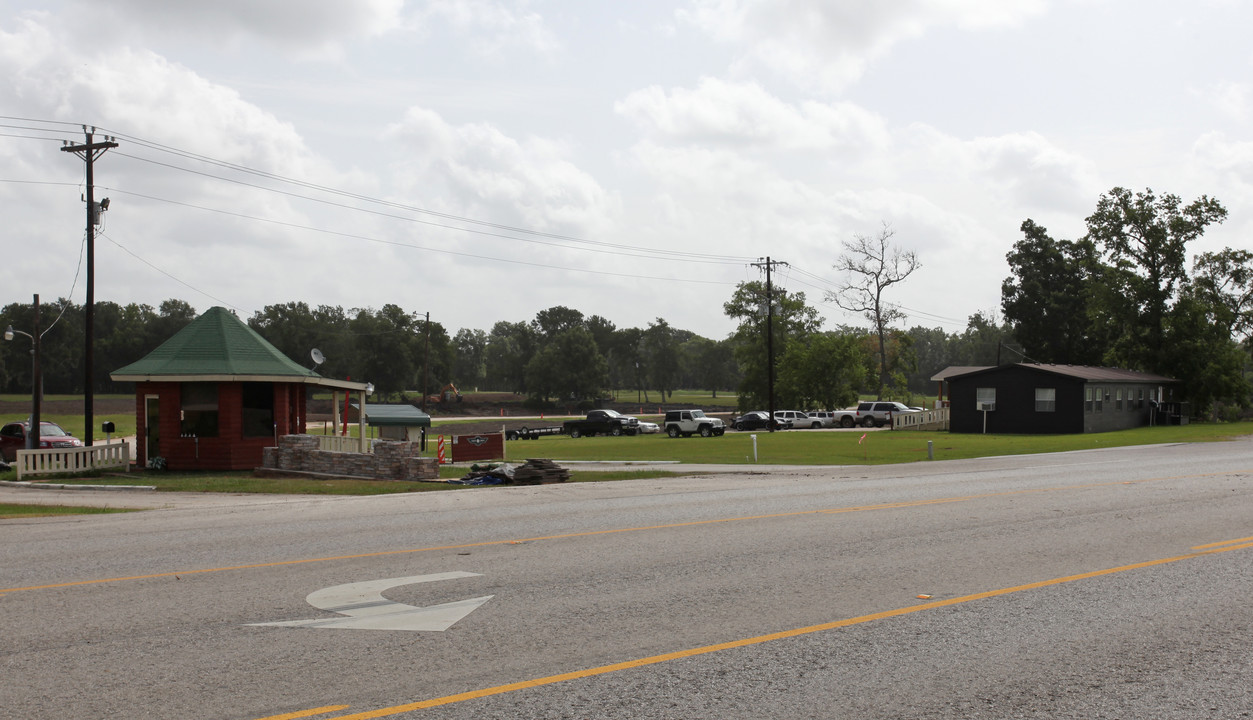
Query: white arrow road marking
point(365, 608)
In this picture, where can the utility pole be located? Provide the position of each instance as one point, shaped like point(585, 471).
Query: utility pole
point(426, 361)
point(89, 151)
point(767, 263)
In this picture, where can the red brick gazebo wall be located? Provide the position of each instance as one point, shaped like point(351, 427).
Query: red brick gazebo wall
point(229, 450)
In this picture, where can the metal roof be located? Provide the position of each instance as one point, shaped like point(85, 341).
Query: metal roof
point(395, 415)
point(217, 346)
point(1081, 372)
point(952, 370)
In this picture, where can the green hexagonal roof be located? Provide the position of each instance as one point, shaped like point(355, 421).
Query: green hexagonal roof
point(216, 344)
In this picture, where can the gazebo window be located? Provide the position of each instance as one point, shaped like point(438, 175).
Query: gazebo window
point(199, 409)
point(258, 409)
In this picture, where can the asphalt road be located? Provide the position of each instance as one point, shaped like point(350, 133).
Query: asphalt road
point(1102, 584)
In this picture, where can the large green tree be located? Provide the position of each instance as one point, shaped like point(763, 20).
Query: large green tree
point(825, 372)
point(790, 320)
point(1147, 235)
point(569, 366)
point(1048, 300)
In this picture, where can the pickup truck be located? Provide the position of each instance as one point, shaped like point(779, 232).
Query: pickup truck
point(602, 422)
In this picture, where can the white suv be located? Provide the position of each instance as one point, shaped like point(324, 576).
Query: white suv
point(796, 419)
point(689, 422)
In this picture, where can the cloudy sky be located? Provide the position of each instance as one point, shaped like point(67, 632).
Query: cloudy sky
point(486, 159)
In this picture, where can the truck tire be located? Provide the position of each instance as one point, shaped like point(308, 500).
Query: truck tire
point(673, 431)
point(616, 430)
point(705, 431)
point(574, 432)
point(868, 422)
point(847, 421)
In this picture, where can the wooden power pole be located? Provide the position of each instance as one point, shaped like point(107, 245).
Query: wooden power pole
point(89, 151)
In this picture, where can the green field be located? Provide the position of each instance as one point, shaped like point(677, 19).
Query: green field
point(804, 447)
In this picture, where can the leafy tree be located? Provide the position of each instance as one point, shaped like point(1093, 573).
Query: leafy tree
point(510, 347)
point(569, 366)
point(470, 348)
point(826, 371)
point(661, 350)
point(1224, 281)
point(871, 267)
point(391, 342)
point(555, 320)
point(1148, 235)
point(1048, 300)
point(1201, 353)
point(793, 321)
point(933, 348)
point(628, 367)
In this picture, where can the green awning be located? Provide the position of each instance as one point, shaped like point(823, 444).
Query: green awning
point(395, 415)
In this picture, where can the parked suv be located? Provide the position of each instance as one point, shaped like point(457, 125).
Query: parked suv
point(688, 422)
point(796, 419)
point(878, 414)
point(826, 418)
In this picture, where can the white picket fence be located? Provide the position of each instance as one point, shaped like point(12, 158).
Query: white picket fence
point(72, 460)
point(926, 420)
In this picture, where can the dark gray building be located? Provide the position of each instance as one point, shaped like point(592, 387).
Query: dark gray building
point(1026, 398)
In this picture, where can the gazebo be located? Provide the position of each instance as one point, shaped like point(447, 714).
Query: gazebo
point(216, 394)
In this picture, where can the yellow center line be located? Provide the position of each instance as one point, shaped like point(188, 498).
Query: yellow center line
point(771, 637)
point(612, 531)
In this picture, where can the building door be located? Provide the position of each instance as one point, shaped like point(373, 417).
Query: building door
point(152, 427)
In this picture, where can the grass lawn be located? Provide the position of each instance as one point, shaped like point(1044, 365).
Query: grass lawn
point(803, 447)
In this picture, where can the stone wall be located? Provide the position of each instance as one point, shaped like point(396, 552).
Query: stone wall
point(391, 460)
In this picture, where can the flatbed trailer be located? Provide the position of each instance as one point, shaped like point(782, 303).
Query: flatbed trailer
point(530, 433)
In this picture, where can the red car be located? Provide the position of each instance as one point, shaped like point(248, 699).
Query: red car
point(13, 438)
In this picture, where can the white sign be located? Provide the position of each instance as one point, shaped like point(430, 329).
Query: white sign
point(363, 607)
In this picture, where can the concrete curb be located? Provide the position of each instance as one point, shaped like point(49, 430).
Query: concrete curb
point(69, 486)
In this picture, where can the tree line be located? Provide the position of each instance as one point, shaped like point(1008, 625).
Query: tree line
point(1120, 296)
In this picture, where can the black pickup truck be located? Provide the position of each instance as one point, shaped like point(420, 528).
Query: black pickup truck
point(602, 422)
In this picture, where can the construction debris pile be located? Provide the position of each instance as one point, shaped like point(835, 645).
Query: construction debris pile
point(532, 472)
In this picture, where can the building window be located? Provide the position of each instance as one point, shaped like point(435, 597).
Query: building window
point(258, 409)
point(1140, 402)
point(1099, 406)
point(1087, 399)
point(1045, 399)
point(1118, 399)
point(199, 410)
point(985, 398)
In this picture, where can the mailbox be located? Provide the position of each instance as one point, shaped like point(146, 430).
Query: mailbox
point(107, 427)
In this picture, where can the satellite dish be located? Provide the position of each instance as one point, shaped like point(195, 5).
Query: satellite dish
point(318, 357)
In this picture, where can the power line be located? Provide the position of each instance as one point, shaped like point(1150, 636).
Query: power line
point(412, 246)
point(629, 250)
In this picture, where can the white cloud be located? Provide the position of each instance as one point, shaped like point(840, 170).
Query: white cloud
point(476, 170)
point(745, 114)
point(493, 27)
point(824, 46)
point(307, 27)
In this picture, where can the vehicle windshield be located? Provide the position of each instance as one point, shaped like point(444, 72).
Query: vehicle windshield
point(698, 413)
point(50, 430)
point(612, 413)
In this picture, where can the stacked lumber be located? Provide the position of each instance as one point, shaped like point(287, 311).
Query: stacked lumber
point(535, 471)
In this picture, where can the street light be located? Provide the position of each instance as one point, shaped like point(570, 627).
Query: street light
point(36, 391)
